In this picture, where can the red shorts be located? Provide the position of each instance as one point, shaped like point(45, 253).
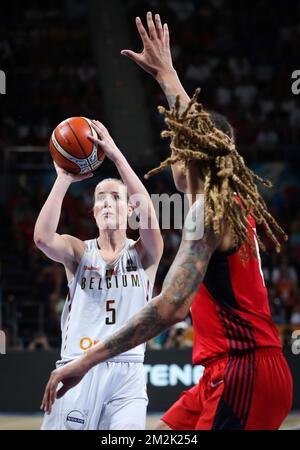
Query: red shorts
point(252, 391)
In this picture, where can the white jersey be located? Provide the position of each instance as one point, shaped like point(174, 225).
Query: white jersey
point(102, 297)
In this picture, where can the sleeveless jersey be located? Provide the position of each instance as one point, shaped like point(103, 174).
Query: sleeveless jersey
point(102, 297)
point(231, 312)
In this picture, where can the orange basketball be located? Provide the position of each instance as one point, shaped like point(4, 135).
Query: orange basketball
point(72, 150)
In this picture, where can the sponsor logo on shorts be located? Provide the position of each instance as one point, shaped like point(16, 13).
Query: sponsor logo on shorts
point(75, 420)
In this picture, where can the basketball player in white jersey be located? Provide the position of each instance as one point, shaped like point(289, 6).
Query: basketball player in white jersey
point(110, 278)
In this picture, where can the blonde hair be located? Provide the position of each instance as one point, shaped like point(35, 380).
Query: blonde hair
point(117, 180)
point(224, 172)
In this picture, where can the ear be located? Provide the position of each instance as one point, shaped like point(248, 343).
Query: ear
point(130, 210)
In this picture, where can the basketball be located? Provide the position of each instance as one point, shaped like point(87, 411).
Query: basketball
point(72, 150)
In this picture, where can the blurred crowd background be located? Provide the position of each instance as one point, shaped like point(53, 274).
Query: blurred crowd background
point(243, 63)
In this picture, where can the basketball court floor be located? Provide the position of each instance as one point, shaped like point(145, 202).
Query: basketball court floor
point(33, 422)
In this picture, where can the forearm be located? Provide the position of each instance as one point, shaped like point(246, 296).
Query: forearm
point(48, 219)
point(137, 191)
point(171, 86)
point(154, 318)
point(129, 177)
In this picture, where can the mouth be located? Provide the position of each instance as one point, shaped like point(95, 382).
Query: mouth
point(107, 214)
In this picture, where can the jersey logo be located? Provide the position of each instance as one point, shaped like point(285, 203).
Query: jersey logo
point(90, 268)
point(109, 273)
point(130, 267)
point(213, 385)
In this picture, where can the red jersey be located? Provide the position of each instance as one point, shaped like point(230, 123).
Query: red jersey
point(231, 311)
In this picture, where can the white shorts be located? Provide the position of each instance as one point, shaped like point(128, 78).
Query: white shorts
point(111, 396)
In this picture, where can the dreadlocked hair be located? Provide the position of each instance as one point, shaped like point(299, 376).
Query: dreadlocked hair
point(230, 187)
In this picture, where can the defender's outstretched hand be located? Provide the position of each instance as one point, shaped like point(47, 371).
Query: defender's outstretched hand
point(69, 375)
point(156, 55)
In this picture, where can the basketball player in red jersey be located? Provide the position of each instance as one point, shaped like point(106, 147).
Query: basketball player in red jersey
point(246, 383)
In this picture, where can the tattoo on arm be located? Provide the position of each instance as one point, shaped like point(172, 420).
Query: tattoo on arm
point(171, 98)
point(189, 267)
point(142, 327)
point(179, 289)
point(188, 271)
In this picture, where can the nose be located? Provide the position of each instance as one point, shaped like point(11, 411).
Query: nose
point(107, 202)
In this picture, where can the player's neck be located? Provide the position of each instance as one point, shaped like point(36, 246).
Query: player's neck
point(112, 240)
point(195, 187)
point(195, 184)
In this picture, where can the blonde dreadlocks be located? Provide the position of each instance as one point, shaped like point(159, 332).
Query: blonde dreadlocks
point(223, 170)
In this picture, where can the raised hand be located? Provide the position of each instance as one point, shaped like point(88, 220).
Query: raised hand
point(105, 141)
point(156, 56)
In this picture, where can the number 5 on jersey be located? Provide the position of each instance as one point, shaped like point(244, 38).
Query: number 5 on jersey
point(111, 319)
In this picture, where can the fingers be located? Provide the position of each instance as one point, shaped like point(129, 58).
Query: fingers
point(159, 29)
point(142, 32)
point(151, 26)
point(130, 54)
point(61, 392)
point(156, 31)
point(101, 131)
point(95, 140)
point(87, 175)
point(43, 404)
point(166, 37)
point(52, 393)
point(100, 128)
point(46, 398)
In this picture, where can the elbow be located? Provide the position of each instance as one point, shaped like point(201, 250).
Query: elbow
point(175, 315)
point(36, 238)
point(180, 315)
point(39, 240)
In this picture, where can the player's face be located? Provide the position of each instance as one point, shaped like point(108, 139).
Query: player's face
point(111, 207)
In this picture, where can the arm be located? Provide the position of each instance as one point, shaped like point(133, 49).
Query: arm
point(156, 59)
point(171, 306)
point(61, 248)
point(150, 245)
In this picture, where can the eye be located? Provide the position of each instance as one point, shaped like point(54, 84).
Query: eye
point(116, 196)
